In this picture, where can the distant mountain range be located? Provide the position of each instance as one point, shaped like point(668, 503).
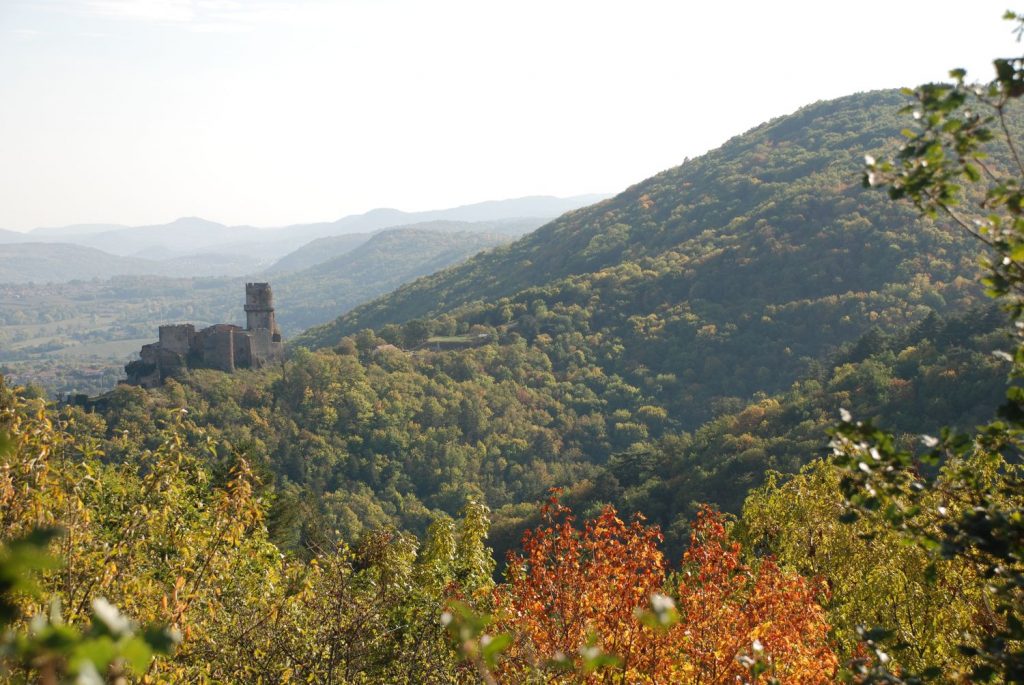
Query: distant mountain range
point(323, 249)
point(194, 247)
point(11, 236)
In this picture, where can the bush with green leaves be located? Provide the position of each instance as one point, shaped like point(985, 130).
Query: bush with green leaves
point(48, 650)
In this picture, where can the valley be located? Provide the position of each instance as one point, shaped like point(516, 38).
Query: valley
point(76, 336)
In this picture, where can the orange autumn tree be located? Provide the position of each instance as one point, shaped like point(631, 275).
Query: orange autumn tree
point(575, 593)
point(570, 584)
point(729, 609)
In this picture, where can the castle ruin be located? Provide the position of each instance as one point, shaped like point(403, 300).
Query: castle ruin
point(222, 346)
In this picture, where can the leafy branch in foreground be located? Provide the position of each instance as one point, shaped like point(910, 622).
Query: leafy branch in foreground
point(963, 163)
point(51, 651)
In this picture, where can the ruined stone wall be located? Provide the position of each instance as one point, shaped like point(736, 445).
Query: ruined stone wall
point(178, 338)
point(244, 356)
point(264, 349)
point(145, 371)
point(218, 347)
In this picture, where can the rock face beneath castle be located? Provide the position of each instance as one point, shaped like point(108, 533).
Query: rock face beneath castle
point(222, 346)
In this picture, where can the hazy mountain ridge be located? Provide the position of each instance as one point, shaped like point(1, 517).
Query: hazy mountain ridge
point(47, 262)
point(194, 235)
point(323, 249)
point(385, 261)
point(10, 236)
point(63, 262)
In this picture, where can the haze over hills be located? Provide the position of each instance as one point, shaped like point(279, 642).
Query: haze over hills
point(73, 230)
point(194, 235)
point(493, 210)
point(63, 262)
point(10, 236)
point(374, 267)
point(187, 235)
point(196, 247)
point(57, 262)
point(323, 249)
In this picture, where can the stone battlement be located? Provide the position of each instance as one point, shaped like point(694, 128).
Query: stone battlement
point(222, 346)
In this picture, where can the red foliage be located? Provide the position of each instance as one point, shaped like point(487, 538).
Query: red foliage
point(571, 584)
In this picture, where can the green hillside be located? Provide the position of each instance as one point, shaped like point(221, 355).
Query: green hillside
point(767, 198)
point(734, 273)
point(316, 252)
point(378, 265)
point(46, 262)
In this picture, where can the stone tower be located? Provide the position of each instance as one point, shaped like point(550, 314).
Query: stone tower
point(259, 309)
point(264, 335)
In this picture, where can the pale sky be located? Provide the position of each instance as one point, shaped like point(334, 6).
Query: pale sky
point(284, 111)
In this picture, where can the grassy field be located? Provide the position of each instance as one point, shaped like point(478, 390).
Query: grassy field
point(113, 349)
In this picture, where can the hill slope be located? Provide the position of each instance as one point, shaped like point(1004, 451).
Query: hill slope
point(734, 273)
point(323, 249)
point(378, 265)
point(11, 236)
point(762, 202)
point(57, 262)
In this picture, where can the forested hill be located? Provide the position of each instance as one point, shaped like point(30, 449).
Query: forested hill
point(665, 347)
point(735, 273)
point(775, 214)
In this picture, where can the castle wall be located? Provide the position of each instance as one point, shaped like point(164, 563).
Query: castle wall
point(150, 354)
point(264, 349)
point(145, 371)
point(244, 356)
point(178, 338)
point(218, 347)
point(170, 362)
